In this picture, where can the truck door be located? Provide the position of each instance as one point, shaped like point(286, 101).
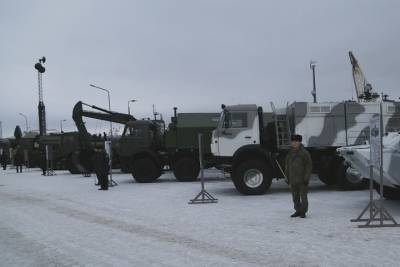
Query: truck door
point(239, 128)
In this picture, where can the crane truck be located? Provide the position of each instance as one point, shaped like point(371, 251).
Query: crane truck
point(146, 147)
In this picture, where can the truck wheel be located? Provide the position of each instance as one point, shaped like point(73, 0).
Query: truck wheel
point(328, 169)
point(71, 164)
point(145, 170)
point(75, 166)
point(388, 192)
point(347, 180)
point(186, 169)
point(252, 177)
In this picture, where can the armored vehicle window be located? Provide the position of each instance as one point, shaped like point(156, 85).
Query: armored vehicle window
point(238, 120)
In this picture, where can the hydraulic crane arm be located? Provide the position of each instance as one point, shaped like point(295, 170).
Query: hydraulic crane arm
point(106, 115)
point(364, 89)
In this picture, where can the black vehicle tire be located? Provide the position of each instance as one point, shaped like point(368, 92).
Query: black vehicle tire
point(145, 170)
point(252, 177)
point(388, 192)
point(346, 181)
point(72, 169)
point(186, 169)
point(74, 165)
point(328, 169)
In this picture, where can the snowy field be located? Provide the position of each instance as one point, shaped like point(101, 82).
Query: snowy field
point(64, 220)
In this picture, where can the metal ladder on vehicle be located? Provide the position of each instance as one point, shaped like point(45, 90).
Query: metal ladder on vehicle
point(282, 127)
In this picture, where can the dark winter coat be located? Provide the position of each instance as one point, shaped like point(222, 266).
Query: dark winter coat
point(4, 158)
point(101, 163)
point(298, 166)
point(19, 157)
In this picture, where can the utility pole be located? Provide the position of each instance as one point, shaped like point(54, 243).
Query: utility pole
point(314, 91)
point(41, 108)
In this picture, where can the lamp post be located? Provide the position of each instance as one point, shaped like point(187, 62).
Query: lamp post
point(26, 120)
point(314, 91)
point(61, 121)
point(111, 182)
point(129, 101)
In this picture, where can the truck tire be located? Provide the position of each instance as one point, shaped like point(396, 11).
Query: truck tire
point(74, 165)
point(252, 177)
point(388, 192)
point(186, 169)
point(347, 181)
point(145, 170)
point(327, 172)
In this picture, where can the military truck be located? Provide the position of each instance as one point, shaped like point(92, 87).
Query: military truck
point(29, 143)
point(243, 140)
point(146, 147)
point(64, 149)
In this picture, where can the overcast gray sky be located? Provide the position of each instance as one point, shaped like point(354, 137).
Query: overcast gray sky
point(191, 54)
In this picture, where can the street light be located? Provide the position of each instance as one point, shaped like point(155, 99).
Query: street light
point(109, 109)
point(314, 91)
point(26, 120)
point(129, 101)
point(61, 121)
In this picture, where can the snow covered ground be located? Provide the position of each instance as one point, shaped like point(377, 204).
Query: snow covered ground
point(64, 220)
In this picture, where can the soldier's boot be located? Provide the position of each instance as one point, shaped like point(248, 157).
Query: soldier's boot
point(303, 215)
point(296, 214)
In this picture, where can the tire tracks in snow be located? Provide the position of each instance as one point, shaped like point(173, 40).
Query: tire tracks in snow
point(144, 231)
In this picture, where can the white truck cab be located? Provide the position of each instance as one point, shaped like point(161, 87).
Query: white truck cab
point(238, 126)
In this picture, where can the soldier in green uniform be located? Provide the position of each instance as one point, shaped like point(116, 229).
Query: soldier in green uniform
point(298, 167)
point(101, 168)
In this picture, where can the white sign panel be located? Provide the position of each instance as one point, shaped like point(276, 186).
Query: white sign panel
point(375, 140)
point(107, 148)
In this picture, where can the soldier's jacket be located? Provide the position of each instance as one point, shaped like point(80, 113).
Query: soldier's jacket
point(298, 166)
point(101, 161)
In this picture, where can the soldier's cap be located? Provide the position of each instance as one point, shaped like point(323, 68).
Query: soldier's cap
point(296, 137)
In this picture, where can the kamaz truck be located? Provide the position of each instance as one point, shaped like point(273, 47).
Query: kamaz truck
point(253, 145)
point(146, 147)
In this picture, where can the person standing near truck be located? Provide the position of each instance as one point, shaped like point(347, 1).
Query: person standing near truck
point(101, 167)
point(298, 167)
point(3, 159)
point(18, 159)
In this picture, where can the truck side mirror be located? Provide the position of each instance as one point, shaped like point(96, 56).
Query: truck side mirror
point(227, 119)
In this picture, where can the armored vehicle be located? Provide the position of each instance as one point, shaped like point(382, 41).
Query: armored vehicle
point(357, 159)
